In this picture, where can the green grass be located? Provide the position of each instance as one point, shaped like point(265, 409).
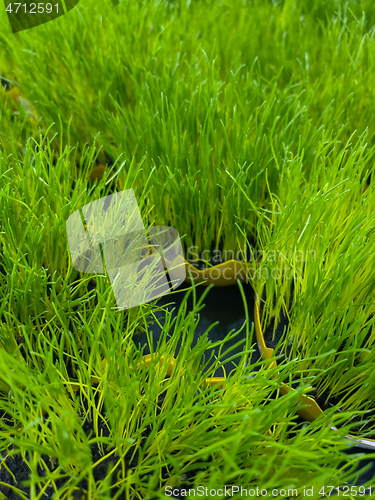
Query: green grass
point(232, 122)
point(202, 104)
point(323, 234)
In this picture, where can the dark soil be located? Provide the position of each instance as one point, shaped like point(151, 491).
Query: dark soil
point(364, 422)
point(4, 83)
point(22, 472)
point(272, 336)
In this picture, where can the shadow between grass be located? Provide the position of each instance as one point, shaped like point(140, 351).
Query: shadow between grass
point(223, 307)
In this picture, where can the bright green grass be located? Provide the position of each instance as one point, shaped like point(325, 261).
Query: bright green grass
point(231, 121)
point(323, 234)
point(204, 92)
point(40, 296)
